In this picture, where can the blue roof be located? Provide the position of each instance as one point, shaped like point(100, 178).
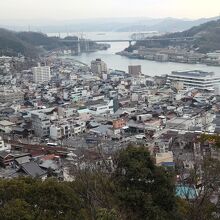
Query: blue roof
point(186, 192)
point(168, 164)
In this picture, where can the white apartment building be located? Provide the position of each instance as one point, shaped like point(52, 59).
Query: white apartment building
point(41, 74)
point(40, 124)
point(41, 121)
point(195, 79)
point(60, 131)
point(66, 129)
point(99, 67)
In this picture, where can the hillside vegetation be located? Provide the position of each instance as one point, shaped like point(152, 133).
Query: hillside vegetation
point(137, 189)
point(26, 43)
point(207, 38)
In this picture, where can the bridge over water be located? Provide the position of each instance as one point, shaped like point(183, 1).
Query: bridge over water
point(86, 41)
point(129, 40)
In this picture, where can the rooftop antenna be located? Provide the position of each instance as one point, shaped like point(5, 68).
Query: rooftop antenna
point(81, 35)
point(67, 32)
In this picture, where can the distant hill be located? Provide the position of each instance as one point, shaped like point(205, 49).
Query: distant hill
point(32, 44)
point(208, 33)
point(132, 24)
point(208, 37)
point(166, 25)
point(39, 39)
point(26, 43)
point(11, 44)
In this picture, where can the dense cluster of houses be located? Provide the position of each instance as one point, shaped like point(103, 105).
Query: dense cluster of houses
point(80, 116)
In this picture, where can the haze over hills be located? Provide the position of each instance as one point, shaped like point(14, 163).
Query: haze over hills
point(166, 25)
point(106, 24)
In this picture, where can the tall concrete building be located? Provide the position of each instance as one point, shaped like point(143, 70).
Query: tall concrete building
point(41, 74)
point(99, 67)
point(134, 69)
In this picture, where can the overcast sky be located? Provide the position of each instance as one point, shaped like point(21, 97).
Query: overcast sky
point(72, 9)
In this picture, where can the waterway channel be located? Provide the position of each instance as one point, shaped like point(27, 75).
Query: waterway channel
point(121, 63)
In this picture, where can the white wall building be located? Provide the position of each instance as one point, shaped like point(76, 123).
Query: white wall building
point(40, 124)
point(196, 79)
point(41, 74)
point(105, 108)
point(4, 146)
point(66, 129)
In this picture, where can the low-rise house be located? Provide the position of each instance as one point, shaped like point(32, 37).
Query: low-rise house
point(164, 157)
point(6, 158)
point(118, 123)
point(181, 123)
point(10, 95)
point(4, 146)
point(163, 144)
point(41, 121)
point(103, 130)
point(67, 128)
point(84, 114)
point(22, 160)
point(144, 117)
point(6, 126)
point(32, 169)
point(104, 108)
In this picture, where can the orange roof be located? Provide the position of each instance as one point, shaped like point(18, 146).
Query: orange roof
point(48, 157)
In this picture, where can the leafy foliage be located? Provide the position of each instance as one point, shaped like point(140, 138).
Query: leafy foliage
point(146, 191)
point(211, 139)
point(137, 189)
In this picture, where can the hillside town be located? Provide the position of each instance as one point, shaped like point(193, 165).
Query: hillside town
point(60, 115)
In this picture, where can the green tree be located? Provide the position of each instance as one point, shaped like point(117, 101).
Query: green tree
point(16, 209)
point(144, 190)
point(55, 199)
point(48, 199)
point(96, 191)
point(104, 214)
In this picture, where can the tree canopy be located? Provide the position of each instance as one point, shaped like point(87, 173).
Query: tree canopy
point(136, 189)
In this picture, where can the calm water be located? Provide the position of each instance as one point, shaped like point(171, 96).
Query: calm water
point(121, 63)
